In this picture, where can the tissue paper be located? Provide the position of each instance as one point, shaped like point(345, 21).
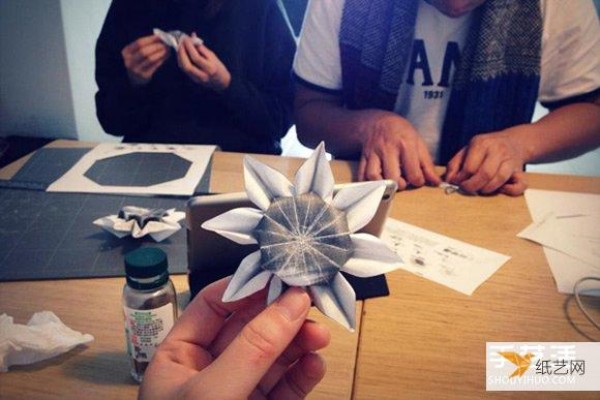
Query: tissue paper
point(44, 336)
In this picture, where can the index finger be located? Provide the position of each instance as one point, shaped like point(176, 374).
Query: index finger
point(143, 42)
point(206, 314)
point(473, 158)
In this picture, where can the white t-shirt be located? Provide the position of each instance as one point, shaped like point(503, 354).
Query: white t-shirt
point(570, 57)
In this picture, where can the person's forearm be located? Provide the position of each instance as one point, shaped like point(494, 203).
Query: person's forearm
point(342, 130)
point(564, 133)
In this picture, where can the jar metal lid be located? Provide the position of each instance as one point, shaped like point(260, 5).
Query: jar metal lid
point(146, 262)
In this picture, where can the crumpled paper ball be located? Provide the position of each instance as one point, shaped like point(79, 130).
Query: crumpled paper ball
point(44, 336)
point(139, 222)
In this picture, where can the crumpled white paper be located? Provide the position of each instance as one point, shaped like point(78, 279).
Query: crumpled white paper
point(173, 38)
point(128, 223)
point(44, 336)
point(306, 235)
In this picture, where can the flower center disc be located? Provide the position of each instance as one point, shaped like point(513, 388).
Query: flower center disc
point(303, 240)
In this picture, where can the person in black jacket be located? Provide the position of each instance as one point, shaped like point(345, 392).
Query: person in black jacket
point(234, 90)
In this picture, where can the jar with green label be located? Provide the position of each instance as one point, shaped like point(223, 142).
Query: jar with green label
point(149, 305)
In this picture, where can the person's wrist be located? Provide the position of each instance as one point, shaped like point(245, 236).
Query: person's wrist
point(378, 121)
point(520, 138)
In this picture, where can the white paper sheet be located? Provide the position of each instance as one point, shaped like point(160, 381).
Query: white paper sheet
point(452, 263)
point(577, 235)
point(75, 180)
point(543, 204)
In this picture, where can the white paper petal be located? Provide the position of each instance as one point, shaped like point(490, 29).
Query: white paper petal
point(315, 175)
point(107, 223)
point(275, 289)
point(237, 225)
point(248, 279)
point(264, 183)
point(336, 300)
point(360, 202)
point(173, 216)
point(371, 257)
point(163, 234)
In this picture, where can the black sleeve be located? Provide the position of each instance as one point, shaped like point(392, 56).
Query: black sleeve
point(265, 108)
point(590, 97)
point(122, 109)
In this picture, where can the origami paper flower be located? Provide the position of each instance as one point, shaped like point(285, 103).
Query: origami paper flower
point(306, 236)
point(139, 222)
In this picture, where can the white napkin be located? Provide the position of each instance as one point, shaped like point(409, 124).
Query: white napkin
point(44, 336)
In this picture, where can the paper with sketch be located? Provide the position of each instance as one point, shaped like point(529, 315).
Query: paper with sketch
point(306, 236)
point(179, 174)
point(452, 263)
point(566, 269)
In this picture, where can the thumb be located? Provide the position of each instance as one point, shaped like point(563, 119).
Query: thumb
point(516, 185)
point(247, 359)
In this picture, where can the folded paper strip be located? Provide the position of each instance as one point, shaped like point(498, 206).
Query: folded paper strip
point(306, 236)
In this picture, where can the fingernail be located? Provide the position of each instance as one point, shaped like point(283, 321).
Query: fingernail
point(293, 303)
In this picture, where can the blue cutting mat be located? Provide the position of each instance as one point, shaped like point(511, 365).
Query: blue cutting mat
point(51, 235)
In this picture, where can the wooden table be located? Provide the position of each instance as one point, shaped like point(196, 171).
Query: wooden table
point(423, 341)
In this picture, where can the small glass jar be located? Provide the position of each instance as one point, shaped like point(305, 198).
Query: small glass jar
point(149, 305)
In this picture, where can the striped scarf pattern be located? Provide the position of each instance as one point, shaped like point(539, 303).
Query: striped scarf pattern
point(494, 87)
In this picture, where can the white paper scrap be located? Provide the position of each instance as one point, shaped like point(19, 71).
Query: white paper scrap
point(173, 38)
point(43, 337)
point(76, 181)
point(452, 263)
point(577, 235)
point(565, 268)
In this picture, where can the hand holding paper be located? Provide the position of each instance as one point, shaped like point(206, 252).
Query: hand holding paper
point(173, 38)
point(142, 58)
